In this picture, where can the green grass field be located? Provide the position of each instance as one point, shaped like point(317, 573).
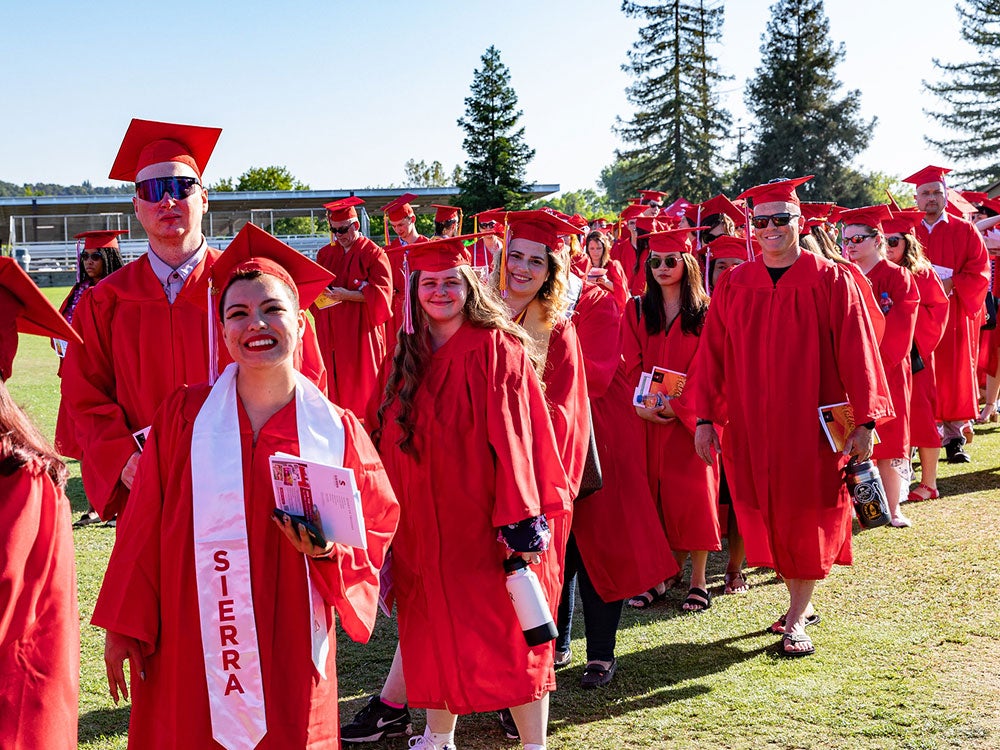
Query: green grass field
point(908, 652)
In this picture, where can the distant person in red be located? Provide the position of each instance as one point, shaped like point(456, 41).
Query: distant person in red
point(225, 614)
point(904, 249)
point(39, 620)
point(352, 314)
point(447, 220)
point(957, 251)
point(98, 258)
point(605, 271)
point(896, 291)
point(666, 334)
point(147, 327)
point(476, 480)
point(399, 215)
point(785, 334)
point(626, 248)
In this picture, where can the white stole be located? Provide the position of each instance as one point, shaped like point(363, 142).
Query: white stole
point(222, 558)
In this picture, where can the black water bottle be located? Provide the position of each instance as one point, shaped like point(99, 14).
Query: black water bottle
point(867, 493)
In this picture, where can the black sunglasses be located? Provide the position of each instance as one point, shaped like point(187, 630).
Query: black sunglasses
point(85, 256)
point(670, 261)
point(487, 225)
point(780, 220)
point(152, 191)
point(893, 241)
point(342, 230)
point(857, 239)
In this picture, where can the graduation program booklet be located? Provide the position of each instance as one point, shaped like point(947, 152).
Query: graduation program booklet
point(661, 380)
point(326, 495)
point(837, 421)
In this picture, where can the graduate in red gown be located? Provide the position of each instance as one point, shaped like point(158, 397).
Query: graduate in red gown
point(626, 249)
point(399, 214)
point(146, 326)
point(210, 598)
point(667, 335)
point(896, 291)
point(602, 270)
point(39, 620)
point(351, 315)
point(958, 254)
point(786, 334)
point(485, 249)
point(468, 445)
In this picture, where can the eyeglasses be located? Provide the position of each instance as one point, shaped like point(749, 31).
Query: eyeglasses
point(857, 239)
point(670, 261)
point(152, 191)
point(342, 230)
point(84, 256)
point(893, 241)
point(780, 220)
point(487, 225)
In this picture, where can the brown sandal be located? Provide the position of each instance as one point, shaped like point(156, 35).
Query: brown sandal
point(736, 583)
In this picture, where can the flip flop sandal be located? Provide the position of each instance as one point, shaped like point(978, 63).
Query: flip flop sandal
point(778, 628)
point(646, 599)
point(741, 588)
point(792, 639)
point(698, 599)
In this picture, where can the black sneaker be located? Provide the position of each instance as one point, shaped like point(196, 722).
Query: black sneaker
point(955, 452)
point(507, 724)
point(87, 519)
point(375, 721)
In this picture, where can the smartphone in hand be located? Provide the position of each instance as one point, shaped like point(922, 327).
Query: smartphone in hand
point(315, 535)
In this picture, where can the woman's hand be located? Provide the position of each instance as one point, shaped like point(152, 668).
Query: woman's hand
point(299, 538)
point(656, 414)
point(532, 558)
point(118, 648)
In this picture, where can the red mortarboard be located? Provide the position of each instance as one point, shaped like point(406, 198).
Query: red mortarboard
point(95, 240)
point(927, 174)
point(730, 247)
point(813, 210)
point(147, 142)
point(992, 204)
point(650, 224)
point(869, 216)
point(441, 253)
point(902, 221)
point(400, 208)
point(780, 191)
point(343, 209)
point(652, 195)
point(677, 208)
point(538, 226)
point(493, 214)
point(444, 214)
point(253, 249)
point(958, 205)
point(976, 197)
point(37, 315)
point(632, 211)
point(670, 241)
point(598, 223)
point(720, 204)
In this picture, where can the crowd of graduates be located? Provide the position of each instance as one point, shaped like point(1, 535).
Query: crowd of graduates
point(484, 389)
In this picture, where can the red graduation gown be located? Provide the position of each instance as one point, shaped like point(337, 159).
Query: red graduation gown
point(901, 293)
point(139, 349)
point(957, 245)
point(617, 529)
point(770, 355)
point(150, 589)
point(10, 308)
point(932, 316)
point(684, 486)
point(65, 439)
point(487, 456)
point(352, 334)
point(635, 273)
point(39, 620)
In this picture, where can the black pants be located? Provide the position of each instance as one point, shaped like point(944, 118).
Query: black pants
point(600, 618)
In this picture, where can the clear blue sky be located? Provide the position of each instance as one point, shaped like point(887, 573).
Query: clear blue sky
point(344, 93)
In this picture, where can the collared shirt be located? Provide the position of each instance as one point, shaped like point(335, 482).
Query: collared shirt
point(172, 279)
point(930, 227)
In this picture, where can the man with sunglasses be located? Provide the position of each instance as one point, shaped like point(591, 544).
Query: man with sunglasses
point(958, 253)
point(786, 333)
point(146, 325)
point(351, 316)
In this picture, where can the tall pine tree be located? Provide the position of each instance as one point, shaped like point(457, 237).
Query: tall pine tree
point(678, 126)
point(970, 92)
point(801, 126)
point(497, 154)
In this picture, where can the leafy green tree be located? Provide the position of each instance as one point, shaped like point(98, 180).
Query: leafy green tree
point(969, 92)
point(678, 128)
point(588, 203)
point(801, 125)
point(262, 179)
point(421, 174)
point(494, 144)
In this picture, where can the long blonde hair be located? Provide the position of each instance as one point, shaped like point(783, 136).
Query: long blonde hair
point(914, 260)
point(483, 309)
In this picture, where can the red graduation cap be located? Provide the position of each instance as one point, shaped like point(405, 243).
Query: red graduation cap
point(538, 226)
point(993, 204)
point(958, 205)
point(443, 214)
point(400, 208)
point(676, 209)
point(778, 191)
point(148, 142)
point(720, 204)
point(902, 221)
point(343, 208)
point(441, 253)
point(648, 224)
point(927, 174)
point(100, 238)
point(869, 216)
point(632, 211)
point(651, 196)
point(671, 241)
point(730, 247)
point(491, 215)
point(37, 315)
point(975, 197)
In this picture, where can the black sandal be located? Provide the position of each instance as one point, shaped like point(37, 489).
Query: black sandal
point(697, 598)
point(778, 628)
point(646, 599)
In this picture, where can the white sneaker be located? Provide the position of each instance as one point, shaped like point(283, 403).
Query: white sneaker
point(900, 521)
point(424, 743)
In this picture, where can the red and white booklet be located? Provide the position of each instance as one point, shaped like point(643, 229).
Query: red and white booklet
point(326, 495)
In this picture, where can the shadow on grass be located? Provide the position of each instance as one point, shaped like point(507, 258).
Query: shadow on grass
point(103, 722)
point(77, 497)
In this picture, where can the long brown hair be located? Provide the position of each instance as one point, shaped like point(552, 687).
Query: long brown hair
point(818, 242)
point(21, 444)
point(483, 309)
point(605, 242)
point(552, 293)
point(914, 260)
point(694, 300)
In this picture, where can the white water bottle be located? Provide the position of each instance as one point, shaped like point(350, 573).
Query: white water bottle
point(529, 602)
